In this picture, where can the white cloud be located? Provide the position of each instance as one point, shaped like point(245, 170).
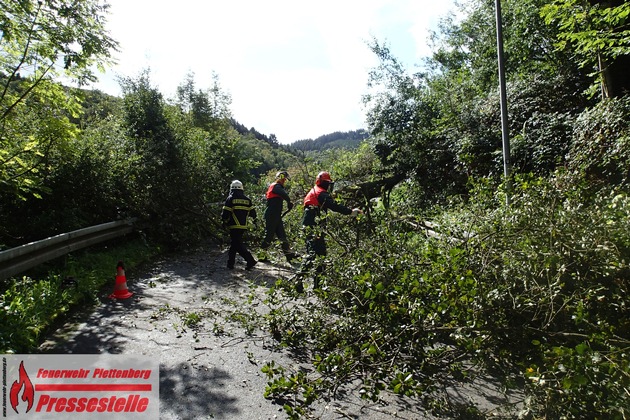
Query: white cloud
point(294, 69)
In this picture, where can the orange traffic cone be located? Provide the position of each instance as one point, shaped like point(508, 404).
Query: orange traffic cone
point(120, 287)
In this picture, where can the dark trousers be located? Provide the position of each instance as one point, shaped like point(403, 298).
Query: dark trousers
point(237, 246)
point(275, 228)
point(315, 253)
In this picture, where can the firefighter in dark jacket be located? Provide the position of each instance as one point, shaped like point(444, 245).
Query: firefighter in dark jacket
point(316, 205)
point(236, 209)
point(276, 196)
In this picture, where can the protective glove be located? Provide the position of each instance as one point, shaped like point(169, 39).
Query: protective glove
point(356, 212)
point(289, 206)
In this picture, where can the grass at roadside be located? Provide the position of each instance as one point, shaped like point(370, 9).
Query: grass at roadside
point(33, 304)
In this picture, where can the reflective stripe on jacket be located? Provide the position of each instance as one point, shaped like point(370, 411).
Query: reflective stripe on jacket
point(236, 209)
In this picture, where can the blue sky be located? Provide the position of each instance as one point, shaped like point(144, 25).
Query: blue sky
point(292, 68)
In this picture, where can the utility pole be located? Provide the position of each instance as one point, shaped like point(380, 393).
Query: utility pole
point(504, 114)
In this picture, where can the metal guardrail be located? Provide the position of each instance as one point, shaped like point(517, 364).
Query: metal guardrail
point(17, 260)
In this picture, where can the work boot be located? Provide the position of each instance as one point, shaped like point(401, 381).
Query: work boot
point(296, 279)
point(251, 265)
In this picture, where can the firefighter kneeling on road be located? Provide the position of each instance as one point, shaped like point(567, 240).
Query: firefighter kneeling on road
point(236, 209)
point(316, 204)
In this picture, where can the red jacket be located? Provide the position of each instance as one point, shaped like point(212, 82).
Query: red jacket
point(319, 199)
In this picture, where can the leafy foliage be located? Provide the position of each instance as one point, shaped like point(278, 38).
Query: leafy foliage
point(33, 306)
point(597, 32)
point(600, 153)
point(441, 127)
point(180, 154)
point(41, 41)
point(536, 292)
point(136, 156)
point(37, 127)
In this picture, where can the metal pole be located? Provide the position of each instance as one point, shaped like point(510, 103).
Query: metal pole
point(504, 113)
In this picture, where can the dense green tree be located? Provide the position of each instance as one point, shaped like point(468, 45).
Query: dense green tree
point(41, 41)
point(205, 107)
point(600, 153)
point(598, 32)
point(158, 174)
point(87, 183)
point(404, 118)
point(185, 156)
point(209, 111)
point(465, 81)
point(34, 137)
point(440, 127)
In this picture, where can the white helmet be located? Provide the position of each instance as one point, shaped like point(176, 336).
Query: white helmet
point(236, 185)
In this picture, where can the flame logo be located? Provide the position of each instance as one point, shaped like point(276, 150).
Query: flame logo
point(28, 394)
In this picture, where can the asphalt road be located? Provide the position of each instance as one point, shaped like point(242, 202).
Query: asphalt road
point(198, 318)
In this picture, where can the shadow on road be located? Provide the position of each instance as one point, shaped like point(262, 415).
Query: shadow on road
point(199, 377)
point(197, 393)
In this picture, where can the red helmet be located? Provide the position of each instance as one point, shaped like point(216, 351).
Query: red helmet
point(323, 177)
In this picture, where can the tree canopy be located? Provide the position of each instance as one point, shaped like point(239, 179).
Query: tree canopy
point(40, 43)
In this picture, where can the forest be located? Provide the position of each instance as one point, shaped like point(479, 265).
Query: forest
point(333, 140)
point(525, 278)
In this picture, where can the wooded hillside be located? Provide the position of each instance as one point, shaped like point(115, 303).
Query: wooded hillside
point(350, 140)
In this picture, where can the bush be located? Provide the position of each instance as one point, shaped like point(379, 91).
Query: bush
point(535, 294)
point(33, 306)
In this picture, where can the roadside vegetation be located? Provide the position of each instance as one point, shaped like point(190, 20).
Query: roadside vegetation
point(37, 304)
point(452, 273)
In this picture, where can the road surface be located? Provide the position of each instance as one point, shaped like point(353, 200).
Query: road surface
point(202, 321)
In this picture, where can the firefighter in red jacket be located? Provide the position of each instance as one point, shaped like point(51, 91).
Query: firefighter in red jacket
point(237, 208)
point(274, 227)
point(316, 204)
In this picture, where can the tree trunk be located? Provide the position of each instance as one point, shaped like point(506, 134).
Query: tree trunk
point(616, 77)
point(381, 188)
point(615, 72)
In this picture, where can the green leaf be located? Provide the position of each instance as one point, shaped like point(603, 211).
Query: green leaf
point(581, 348)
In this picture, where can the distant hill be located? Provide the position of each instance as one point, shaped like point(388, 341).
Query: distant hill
point(336, 140)
point(242, 130)
point(346, 140)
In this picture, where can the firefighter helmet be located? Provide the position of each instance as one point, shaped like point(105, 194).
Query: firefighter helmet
point(323, 177)
point(236, 185)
